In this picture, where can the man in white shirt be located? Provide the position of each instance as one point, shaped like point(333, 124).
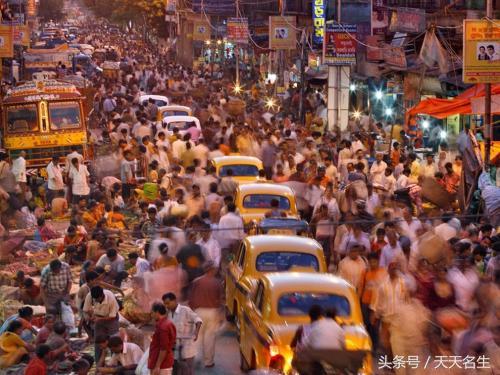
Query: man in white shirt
point(377, 169)
point(230, 228)
point(325, 333)
point(209, 246)
point(101, 309)
point(403, 179)
point(55, 180)
point(389, 182)
point(74, 154)
point(187, 324)
point(465, 280)
point(201, 152)
point(429, 167)
point(79, 176)
point(141, 265)
point(356, 235)
point(125, 358)
point(19, 168)
point(410, 226)
point(392, 251)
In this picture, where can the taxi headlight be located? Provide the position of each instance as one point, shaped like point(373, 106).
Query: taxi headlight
point(357, 343)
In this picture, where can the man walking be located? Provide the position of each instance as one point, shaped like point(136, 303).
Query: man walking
point(205, 299)
point(55, 180)
point(187, 325)
point(161, 356)
point(55, 285)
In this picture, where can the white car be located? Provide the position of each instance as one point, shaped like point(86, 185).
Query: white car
point(160, 100)
point(181, 122)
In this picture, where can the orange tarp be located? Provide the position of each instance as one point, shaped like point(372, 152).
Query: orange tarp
point(442, 108)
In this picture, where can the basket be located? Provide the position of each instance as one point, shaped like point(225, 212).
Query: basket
point(198, 93)
point(235, 107)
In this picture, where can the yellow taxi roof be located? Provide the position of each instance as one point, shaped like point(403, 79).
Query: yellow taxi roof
point(265, 242)
point(230, 160)
point(306, 282)
point(263, 188)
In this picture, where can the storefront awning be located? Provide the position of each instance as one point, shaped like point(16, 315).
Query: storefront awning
point(462, 104)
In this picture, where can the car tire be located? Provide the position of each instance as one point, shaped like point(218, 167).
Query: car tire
point(244, 366)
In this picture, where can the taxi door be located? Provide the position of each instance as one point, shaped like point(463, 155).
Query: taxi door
point(255, 337)
point(234, 273)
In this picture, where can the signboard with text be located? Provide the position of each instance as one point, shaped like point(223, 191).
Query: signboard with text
point(319, 15)
point(6, 41)
point(481, 51)
point(282, 32)
point(339, 47)
point(21, 35)
point(237, 30)
point(201, 30)
point(380, 17)
point(408, 20)
point(395, 56)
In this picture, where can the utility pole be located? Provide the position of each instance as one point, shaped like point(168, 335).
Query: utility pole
point(281, 56)
point(237, 53)
point(487, 100)
point(302, 76)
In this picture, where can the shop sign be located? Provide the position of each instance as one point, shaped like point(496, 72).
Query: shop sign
point(395, 56)
point(380, 17)
point(237, 30)
point(201, 30)
point(374, 49)
point(408, 20)
point(319, 14)
point(6, 41)
point(339, 47)
point(481, 51)
point(282, 32)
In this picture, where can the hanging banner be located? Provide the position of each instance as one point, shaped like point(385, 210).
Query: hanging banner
point(237, 30)
point(319, 15)
point(481, 51)
point(339, 47)
point(282, 34)
point(408, 20)
point(201, 31)
point(380, 17)
point(21, 35)
point(31, 8)
point(395, 56)
point(374, 50)
point(6, 41)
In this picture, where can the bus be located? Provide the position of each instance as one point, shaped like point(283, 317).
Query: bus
point(43, 118)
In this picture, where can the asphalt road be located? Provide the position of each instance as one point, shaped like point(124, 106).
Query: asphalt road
point(227, 355)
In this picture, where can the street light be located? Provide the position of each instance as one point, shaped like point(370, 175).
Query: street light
point(219, 42)
point(352, 87)
point(270, 103)
point(356, 115)
point(389, 112)
point(378, 94)
point(237, 88)
point(425, 124)
point(207, 42)
point(443, 134)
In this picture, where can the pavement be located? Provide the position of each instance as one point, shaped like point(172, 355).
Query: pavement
point(227, 354)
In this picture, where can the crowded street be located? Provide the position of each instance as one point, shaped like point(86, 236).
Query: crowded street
point(267, 187)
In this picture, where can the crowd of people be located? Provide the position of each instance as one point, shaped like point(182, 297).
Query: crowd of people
point(422, 273)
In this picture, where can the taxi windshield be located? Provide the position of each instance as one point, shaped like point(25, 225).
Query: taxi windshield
point(173, 112)
point(64, 115)
point(264, 201)
point(22, 118)
point(239, 170)
point(298, 304)
point(280, 261)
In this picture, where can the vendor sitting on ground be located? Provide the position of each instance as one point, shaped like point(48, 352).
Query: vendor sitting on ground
point(124, 360)
point(24, 316)
point(13, 348)
point(30, 293)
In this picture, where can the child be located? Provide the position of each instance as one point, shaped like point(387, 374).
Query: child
point(115, 219)
point(379, 242)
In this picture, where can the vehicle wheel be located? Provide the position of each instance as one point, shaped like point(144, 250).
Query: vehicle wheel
point(243, 363)
point(236, 319)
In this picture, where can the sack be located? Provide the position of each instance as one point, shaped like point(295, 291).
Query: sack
point(142, 366)
point(432, 247)
point(67, 316)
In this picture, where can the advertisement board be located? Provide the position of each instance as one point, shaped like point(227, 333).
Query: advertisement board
point(6, 41)
point(21, 35)
point(481, 51)
point(282, 32)
point(380, 17)
point(201, 30)
point(395, 56)
point(408, 20)
point(339, 44)
point(237, 30)
point(319, 15)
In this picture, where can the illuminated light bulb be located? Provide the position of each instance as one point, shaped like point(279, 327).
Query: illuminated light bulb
point(425, 124)
point(352, 87)
point(378, 94)
point(389, 111)
point(443, 134)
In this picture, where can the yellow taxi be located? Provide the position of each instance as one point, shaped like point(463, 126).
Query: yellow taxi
point(254, 201)
point(279, 304)
point(268, 253)
point(173, 110)
point(245, 168)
